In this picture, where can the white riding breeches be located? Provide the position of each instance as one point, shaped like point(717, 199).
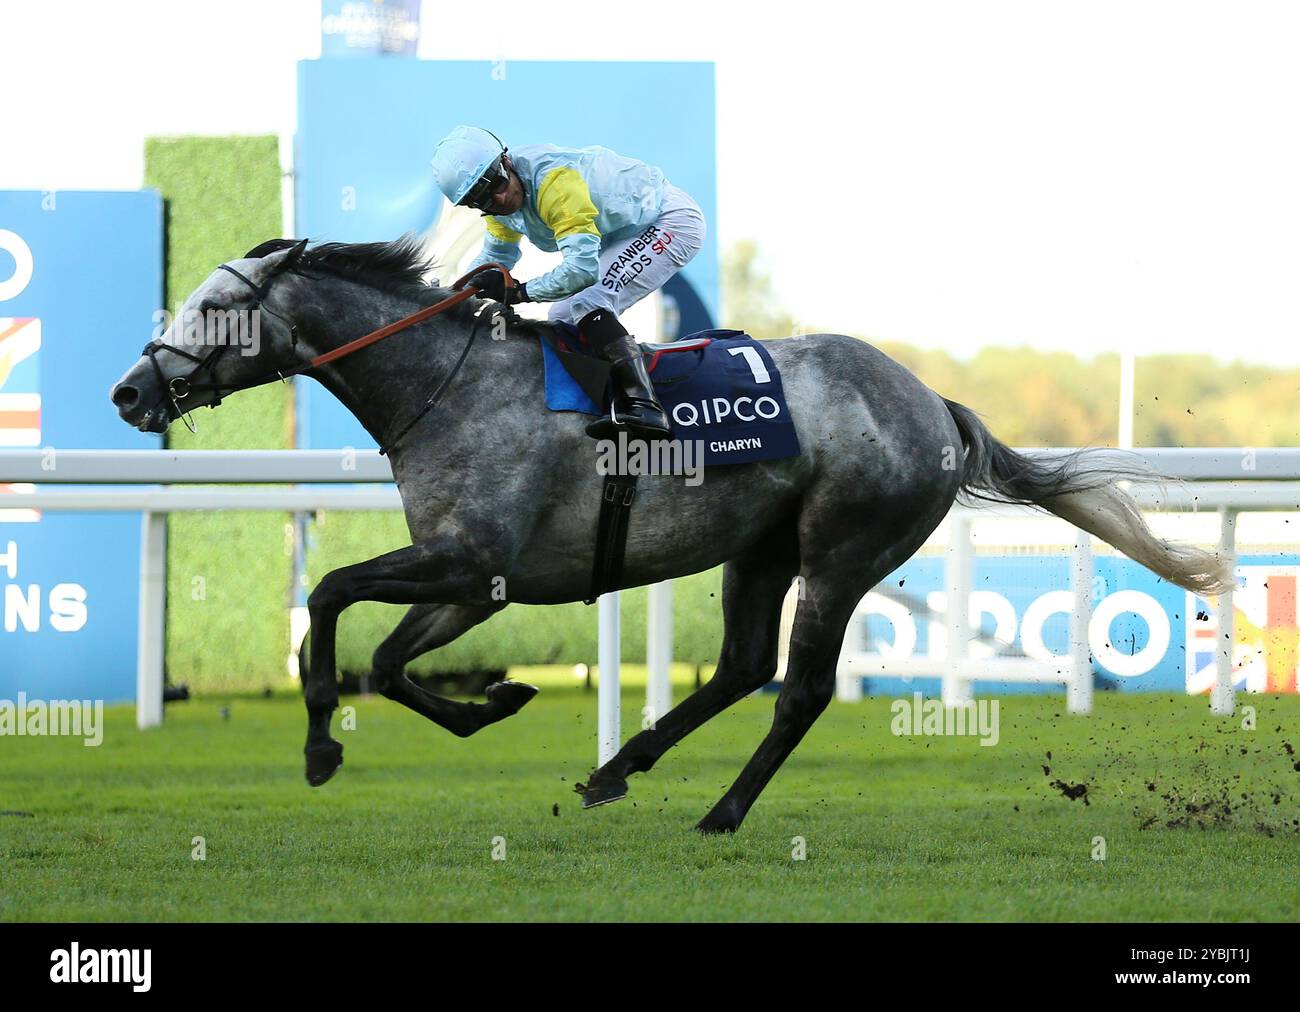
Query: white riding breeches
point(632, 269)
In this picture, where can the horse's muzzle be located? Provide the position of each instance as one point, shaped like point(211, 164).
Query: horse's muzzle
point(140, 406)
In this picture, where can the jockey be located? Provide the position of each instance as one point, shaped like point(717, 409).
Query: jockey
point(623, 228)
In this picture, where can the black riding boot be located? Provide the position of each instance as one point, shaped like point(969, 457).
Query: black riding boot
point(634, 408)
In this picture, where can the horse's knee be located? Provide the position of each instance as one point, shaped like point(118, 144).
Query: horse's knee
point(328, 595)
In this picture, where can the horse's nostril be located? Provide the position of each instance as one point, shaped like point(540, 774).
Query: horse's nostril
point(125, 395)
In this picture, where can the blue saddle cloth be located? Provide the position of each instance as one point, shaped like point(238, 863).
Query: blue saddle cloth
point(726, 393)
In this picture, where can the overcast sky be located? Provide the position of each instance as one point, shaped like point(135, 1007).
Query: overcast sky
point(1076, 176)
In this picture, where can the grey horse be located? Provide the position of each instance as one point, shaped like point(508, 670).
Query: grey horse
point(501, 495)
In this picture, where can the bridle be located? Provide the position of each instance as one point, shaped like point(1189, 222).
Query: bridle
point(178, 388)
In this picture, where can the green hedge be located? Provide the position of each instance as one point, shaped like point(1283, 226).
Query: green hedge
point(228, 574)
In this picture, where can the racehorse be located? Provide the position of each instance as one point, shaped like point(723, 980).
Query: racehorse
point(501, 495)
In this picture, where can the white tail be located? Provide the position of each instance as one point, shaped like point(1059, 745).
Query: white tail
point(1113, 516)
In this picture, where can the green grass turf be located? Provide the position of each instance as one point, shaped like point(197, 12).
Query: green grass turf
point(895, 827)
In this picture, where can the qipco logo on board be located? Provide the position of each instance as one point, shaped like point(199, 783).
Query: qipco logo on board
point(13, 244)
point(1123, 659)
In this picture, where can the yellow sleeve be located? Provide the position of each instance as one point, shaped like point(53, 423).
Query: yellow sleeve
point(564, 204)
point(500, 232)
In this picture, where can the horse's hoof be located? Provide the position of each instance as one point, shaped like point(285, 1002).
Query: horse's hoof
point(323, 761)
point(718, 822)
point(601, 792)
point(510, 696)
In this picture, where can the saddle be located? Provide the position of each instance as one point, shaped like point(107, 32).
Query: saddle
point(725, 399)
point(582, 382)
point(568, 339)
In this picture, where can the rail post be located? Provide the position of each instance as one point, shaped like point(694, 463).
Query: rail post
point(659, 651)
point(152, 636)
point(1078, 692)
point(607, 684)
point(959, 562)
point(1222, 697)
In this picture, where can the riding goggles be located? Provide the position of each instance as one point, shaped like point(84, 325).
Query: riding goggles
point(483, 193)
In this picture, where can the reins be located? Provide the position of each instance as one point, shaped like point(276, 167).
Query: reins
point(436, 396)
point(180, 387)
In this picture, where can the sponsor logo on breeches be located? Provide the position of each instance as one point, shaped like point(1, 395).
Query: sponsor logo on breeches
point(636, 257)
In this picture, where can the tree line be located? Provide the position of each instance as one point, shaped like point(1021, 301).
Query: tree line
point(1030, 397)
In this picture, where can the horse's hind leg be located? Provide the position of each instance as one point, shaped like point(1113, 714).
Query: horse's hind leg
point(754, 586)
point(809, 684)
point(426, 627)
point(834, 583)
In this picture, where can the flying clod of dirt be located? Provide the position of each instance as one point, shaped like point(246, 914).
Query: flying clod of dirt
point(1072, 791)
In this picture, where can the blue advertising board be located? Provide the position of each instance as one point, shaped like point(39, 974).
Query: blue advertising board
point(1145, 634)
point(367, 130)
point(81, 276)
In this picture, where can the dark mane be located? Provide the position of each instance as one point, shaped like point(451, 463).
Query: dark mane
point(397, 266)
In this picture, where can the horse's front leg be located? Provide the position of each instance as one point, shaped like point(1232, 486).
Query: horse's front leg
point(441, 570)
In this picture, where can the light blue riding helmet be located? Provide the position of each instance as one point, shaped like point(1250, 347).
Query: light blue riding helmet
point(461, 159)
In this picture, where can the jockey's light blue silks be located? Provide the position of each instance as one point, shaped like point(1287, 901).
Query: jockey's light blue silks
point(578, 201)
point(622, 228)
point(629, 270)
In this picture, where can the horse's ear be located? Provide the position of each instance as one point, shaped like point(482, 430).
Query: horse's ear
point(267, 248)
point(295, 254)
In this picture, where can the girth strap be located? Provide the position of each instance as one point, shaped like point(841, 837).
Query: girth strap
point(611, 534)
